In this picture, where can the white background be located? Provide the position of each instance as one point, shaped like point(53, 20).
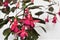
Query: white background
point(53, 30)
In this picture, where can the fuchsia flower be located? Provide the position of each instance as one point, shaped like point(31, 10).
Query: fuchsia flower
point(54, 19)
point(16, 29)
point(47, 20)
point(28, 21)
point(22, 33)
point(5, 3)
point(32, 1)
point(26, 11)
point(14, 25)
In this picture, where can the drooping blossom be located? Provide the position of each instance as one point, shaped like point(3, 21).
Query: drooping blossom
point(47, 19)
point(5, 3)
point(54, 19)
point(16, 29)
point(22, 33)
point(26, 10)
point(14, 25)
point(28, 21)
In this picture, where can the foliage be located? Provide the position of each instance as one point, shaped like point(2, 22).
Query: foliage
point(32, 34)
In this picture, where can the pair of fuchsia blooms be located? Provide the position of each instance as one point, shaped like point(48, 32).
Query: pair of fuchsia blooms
point(28, 23)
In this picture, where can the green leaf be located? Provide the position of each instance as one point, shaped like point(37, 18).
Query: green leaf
point(6, 10)
point(6, 31)
point(32, 35)
point(39, 13)
point(12, 18)
point(26, 1)
point(50, 13)
point(14, 1)
point(29, 4)
point(6, 38)
point(1, 20)
point(34, 7)
point(41, 21)
point(19, 27)
point(13, 9)
point(9, 1)
point(43, 28)
point(3, 23)
point(51, 5)
point(51, 9)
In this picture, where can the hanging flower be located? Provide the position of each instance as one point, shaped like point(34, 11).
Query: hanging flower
point(14, 25)
point(26, 11)
point(54, 19)
point(5, 3)
point(28, 21)
point(16, 29)
point(47, 20)
point(22, 33)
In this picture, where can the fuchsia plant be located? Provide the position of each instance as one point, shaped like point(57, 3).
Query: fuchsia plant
point(24, 27)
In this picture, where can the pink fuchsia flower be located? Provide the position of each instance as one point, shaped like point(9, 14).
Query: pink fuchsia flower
point(23, 34)
point(32, 1)
point(29, 22)
point(47, 19)
point(26, 11)
point(16, 30)
point(14, 24)
point(5, 3)
point(54, 19)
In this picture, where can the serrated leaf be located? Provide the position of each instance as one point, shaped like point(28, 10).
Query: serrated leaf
point(34, 7)
point(6, 31)
point(13, 9)
point(3, 23)
point(41, 21)
point(51, 9)
point(43, 28)
point(39, 13)
point(50, 13)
